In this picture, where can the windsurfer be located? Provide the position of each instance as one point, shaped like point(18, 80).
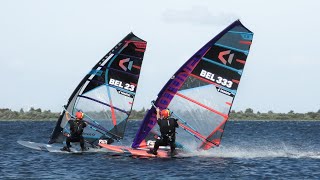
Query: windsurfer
point(168, 131)
point(76, 129)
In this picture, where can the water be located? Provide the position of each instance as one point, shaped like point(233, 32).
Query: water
point(250, 150)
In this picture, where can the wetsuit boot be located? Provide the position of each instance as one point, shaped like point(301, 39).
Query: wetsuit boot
point(152, 151)
point(173, 153)
point(65, 148)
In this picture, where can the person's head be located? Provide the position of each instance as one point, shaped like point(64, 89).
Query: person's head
point(165, 113)
point(79, 115)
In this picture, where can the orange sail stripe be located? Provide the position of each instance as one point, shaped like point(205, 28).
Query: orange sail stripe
point(235, 81)
point(113, 115)
point(202, 105)
point(240, 61)
point(228, 103)
point(245, 42)
point(200, 136)
point(138, 44)
point(137, 67)
point(140, 50)
point(205, 145)
point(203, 138)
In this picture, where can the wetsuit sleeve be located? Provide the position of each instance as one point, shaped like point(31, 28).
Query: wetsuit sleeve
point(176, 123)
point(84, 124)
point(158, 121)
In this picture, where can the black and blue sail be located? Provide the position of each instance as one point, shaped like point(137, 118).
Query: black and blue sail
point(200, 94)
point(106, 94)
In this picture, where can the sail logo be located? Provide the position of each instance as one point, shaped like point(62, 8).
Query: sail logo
point(225, 53)
point(123, 61)
point(224, 91)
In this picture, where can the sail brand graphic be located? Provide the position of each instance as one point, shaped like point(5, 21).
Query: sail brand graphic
point(223, 60)
point(224, 91)
point(124, 93)
point(125, 68)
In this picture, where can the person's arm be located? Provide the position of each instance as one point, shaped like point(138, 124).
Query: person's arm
point(68, 116)
point(158, 113)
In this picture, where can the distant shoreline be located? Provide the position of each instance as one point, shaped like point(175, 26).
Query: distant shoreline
point(247, 115)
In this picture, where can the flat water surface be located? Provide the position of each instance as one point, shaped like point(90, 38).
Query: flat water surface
point(249, 150)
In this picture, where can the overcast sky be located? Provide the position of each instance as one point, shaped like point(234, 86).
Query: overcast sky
point(46, 47)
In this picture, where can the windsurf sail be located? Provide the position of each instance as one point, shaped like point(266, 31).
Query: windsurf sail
point(200, 94)
point(106, 94)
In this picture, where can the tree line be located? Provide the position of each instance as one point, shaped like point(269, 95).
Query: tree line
point(248, 114)
point(32, 114)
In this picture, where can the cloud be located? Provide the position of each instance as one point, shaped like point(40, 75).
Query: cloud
point(198, 15)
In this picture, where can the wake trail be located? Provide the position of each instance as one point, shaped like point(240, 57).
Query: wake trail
point(257, 152)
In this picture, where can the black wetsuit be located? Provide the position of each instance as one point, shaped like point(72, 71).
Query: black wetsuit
point(76, 129)
point(168, 134)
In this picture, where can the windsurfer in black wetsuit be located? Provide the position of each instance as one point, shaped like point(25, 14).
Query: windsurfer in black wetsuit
point(168, 131)
point(76, 129)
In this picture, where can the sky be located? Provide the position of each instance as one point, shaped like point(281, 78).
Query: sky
point(47, 47)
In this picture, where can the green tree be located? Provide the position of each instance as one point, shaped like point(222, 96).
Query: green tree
point(248, 111)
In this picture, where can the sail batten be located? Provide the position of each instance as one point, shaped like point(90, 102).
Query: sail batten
point(104, 103)
point(232, 48)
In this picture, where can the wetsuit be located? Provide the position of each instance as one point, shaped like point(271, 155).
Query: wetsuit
point(76, 129)
point(168, 134)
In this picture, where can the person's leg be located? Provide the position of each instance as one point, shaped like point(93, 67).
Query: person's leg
point(82, 143)
point(156, 145)
point(67, 148)
point(173, 148)
point(159, 142)
point(68, 140)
